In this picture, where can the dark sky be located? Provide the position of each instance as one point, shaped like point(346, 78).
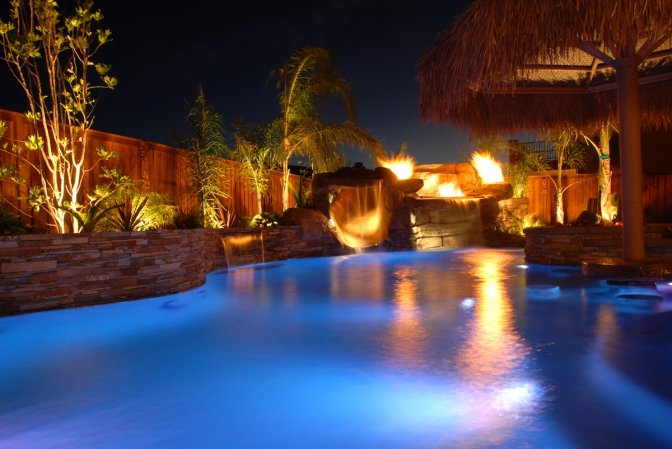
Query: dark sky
point(163, 50)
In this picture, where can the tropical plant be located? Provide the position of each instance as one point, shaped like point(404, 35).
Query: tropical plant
point(523, 163)
point(206, 143)
point(516, 225)
point(256, 151)
point(53, 59)
point(302, 195)
point(571, 154)
point(309, 75)
point(133, 210)
point(104, 199)
point(11, 224)
point(607, 208)
point(263, 220)
point(187, 218)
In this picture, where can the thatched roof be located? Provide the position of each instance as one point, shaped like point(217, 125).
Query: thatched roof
point(525, 65)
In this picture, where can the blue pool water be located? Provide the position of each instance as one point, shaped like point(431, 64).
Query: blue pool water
point(457, 349)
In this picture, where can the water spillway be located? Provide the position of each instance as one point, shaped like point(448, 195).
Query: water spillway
point(361, 215)
point(369, 208)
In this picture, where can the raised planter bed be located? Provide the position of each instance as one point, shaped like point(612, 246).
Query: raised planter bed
point(42, 272)
point(570, 245)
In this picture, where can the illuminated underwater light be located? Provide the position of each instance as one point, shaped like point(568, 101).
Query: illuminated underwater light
point(523, 266)
point(467, 303)
point(517, 396)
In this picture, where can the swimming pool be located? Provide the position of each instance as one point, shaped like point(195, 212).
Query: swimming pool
point(454, 349)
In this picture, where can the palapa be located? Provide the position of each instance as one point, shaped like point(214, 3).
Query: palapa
point(531, 65)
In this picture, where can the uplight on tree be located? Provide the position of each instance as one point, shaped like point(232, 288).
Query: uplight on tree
point(53, 59)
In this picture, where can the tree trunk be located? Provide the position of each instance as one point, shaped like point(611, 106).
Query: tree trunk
point(559, 209)
point(604, 176)
point(285, 184)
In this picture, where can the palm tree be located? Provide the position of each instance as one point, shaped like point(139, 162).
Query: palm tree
point(255, 150)
point(571, 154)
point(604, 172)
point(309, 75)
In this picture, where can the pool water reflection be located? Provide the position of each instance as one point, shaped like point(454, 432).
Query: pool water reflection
point(456, 349)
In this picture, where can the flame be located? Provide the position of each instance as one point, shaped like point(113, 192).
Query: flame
point(487, 167)
point(450, 189)
point(402, 165)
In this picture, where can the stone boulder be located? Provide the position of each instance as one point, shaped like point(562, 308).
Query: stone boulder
point(312, 221)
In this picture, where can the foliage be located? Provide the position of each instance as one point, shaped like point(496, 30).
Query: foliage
point(11, 224)
point(102, 201)
point(263, 220)
point(134, 210)
point(303, 195)
point(256, 151)
point(524, 163)
point(515, 225)
point(310, 75)
point(571, 154)
point(206, 143)
point(191, 219)
point(53, 59)
point(188, 219)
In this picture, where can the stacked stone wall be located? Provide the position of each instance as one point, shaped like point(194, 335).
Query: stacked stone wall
point(448, 223)
point(565, 245)
point(42, 272)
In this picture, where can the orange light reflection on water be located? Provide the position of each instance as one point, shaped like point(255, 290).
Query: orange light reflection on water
point(407, 334)
point(493, 350)
point(369, 284)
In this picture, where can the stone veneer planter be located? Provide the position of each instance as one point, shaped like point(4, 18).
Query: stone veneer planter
point(41, 272)
point(570, 245)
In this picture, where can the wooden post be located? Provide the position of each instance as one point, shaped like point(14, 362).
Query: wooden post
point(629, 111)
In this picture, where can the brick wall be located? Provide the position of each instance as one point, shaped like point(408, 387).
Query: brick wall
point(41, 272)
point(565, 245)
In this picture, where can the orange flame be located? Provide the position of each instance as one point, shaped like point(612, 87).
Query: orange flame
point(487, 167)
point(450, 190)
point(401, 165)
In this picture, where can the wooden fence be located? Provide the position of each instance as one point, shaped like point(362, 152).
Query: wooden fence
point(165, 170)
point(657, 195)
point(161, 168)
point(541, 193)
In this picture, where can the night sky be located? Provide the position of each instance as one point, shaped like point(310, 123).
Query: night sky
point(163, 50)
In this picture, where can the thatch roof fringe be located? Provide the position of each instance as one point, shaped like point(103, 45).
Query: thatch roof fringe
point(487, 47)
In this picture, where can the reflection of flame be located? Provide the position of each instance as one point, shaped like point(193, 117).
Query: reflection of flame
point(407, 333)
point(370, 282)
point(487, 167)
point(493, 350)
point(450, 189)
point(402, 165)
